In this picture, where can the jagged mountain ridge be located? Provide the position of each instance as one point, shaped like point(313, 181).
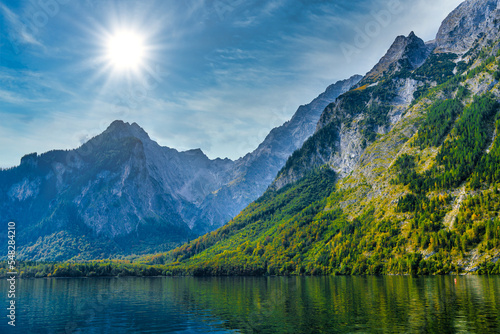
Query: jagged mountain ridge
point(254, 172)
point(357, 117)
point(97, 200)
point(411, 49)
point(122, 193)
point(401, 176)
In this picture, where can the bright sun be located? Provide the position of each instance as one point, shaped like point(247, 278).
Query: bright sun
point(125, 50)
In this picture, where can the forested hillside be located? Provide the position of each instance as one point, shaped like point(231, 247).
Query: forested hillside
point(424, 197)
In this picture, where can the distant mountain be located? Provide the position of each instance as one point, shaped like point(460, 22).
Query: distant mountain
point(254, 172)
point(121, 193)
point(402, 175)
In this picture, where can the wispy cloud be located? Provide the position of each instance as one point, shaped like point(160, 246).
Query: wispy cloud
point(23, 87)
point(10, 97)
point(18, 31)
point(14, 98)
point(231, 54)
point(272, 6)
point(255, 14)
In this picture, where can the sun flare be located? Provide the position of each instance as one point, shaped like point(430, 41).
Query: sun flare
point(125, 50)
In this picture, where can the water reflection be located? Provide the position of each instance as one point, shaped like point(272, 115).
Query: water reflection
point(258, 305)
point(347, 304)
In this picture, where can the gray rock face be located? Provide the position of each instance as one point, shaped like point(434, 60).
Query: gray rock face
point(186, 178)
point(337, 143)
point(188, 175)
point(471, 20)
point(343, 122)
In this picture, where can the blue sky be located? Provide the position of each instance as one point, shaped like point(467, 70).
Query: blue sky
point(215, 74)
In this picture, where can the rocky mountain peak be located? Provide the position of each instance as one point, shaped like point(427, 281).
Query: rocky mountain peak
point(471, 20)
point(197, 154)
point(416, 50)
point(195, 151)
point(121, 129)
point(410, 48)
point(29, 159)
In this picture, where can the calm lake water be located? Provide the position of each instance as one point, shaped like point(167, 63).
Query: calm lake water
point(256, 305)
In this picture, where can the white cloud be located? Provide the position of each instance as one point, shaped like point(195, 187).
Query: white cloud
point(257, 13)
point(18, 32)
point(10, 97)
point(14, 98)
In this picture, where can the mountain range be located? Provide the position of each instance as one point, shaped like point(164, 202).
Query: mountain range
point(121, 193)
point(402, 174)
point(395, 172)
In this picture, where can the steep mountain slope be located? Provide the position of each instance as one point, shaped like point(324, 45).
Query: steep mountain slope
point(468, 22)
point(121, 193)
point(356, 118)
point(254, 172)
point(401, 176)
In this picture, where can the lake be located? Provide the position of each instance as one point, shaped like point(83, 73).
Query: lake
point(256, 305)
